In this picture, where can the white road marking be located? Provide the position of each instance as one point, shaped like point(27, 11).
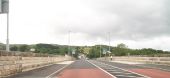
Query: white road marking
point(128, 70)
point(102, 69)
point(153, 67)
point(127, 76)
point(49, 76)
point(117, 72)
point(138, 64)
point(128, 73)
point(112, 70)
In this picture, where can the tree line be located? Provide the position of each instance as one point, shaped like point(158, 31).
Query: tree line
point(123, 50)
point(90, 51)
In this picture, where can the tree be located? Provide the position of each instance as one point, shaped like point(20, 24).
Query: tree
point(51, 49)
point(2, 46)
point(14, 48)
point(24, 48)
point(121, 45)
point(94, 52)
point(63, 50)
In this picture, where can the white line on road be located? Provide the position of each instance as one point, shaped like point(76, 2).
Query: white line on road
point(102, 69)
point(128, 76)
point(117, 72)
point(153, 67)
point(127, 70)
point(141, 65)
point(49, 76)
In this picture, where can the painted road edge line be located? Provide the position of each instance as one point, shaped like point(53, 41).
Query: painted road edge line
point(140, 65)
point(102, 69)
point(49, 76)
point(153, 67)
point(126, 70)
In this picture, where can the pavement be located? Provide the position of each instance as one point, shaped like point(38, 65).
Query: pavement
point(41, 72)
point(98, 69)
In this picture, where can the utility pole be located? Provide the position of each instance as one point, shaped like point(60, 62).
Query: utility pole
point(69, 42)
point(4, 9)
point(100, 50)
point(95, 51)
point(7, 40)
point(109, 43)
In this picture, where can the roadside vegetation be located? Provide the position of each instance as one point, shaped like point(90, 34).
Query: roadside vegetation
point(90, 51)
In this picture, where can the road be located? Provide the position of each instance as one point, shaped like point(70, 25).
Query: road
point(98, 69)
point(82, 69)
point(39, 73)
point(145, 70)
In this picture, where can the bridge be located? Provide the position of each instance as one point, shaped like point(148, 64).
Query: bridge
point(36, 65)
point(93, 28)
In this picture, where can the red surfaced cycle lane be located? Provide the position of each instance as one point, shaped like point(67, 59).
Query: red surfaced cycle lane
point(82, 69)
point(83, 73)
point(153, 73)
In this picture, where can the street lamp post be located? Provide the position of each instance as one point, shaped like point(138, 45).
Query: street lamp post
point(69, 42)
point(109, 41)
point(109, 44)
point(4, 9)
point(100, 51)
point(7, 40)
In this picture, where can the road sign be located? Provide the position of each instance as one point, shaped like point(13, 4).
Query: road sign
point(108, 52)
point(73, 51)
point(104, 51)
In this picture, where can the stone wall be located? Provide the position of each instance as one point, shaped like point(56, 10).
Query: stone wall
point(12, 64)
point(151, 60)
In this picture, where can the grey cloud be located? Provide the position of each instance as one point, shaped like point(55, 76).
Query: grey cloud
point(125, 19)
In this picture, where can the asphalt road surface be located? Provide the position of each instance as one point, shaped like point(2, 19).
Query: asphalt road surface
point(147, 70)
point(39, 73)
point(98, 69)
point(82, 69)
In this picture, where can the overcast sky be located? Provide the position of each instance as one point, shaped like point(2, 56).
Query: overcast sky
point(137, 23)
